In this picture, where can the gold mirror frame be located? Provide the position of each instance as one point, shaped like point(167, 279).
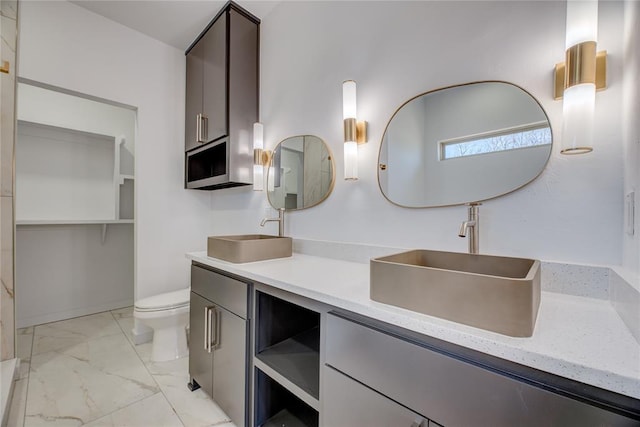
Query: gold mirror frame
point(380, 166)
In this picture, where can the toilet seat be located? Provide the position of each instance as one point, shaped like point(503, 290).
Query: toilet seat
point(162, 302)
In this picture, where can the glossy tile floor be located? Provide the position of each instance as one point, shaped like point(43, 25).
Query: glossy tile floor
point(87, 372)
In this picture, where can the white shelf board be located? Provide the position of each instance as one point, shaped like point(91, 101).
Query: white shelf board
point(122, 178)
point(72, 221)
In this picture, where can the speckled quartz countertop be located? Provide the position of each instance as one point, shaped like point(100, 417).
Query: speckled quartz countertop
point(575, 337)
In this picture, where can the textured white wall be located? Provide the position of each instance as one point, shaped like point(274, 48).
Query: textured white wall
point(395, 50)
point(64, 45)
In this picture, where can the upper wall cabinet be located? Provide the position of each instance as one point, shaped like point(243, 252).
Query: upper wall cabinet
point(206, 115)
point(222, 78)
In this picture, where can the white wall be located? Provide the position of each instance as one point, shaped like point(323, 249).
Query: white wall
point(631, 132)
point(67, 46)
point(395, 50)
point(65, 271)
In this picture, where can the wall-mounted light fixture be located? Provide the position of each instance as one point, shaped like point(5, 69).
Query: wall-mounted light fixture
point(579, 76)
point(355, 132)
point(261, 157)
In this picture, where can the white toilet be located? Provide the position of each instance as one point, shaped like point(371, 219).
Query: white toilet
point(168, 315)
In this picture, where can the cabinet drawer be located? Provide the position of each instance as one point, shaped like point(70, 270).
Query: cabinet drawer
point(222, 290)
point(446, 389)
point(351, 404)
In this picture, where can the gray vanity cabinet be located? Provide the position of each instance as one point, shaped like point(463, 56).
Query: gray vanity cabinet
point(442, 384)
point(219, 340)
point(352, 404)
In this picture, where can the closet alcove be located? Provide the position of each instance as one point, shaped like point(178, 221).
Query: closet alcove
point(74, 205)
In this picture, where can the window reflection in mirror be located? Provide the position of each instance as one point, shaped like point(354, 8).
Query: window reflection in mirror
point(501, 140)
point(301, 173)
point(463, 144)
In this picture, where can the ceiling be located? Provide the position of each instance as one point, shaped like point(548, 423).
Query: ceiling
point(174, 22)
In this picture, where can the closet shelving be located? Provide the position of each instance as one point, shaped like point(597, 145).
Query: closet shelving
point(71, 177)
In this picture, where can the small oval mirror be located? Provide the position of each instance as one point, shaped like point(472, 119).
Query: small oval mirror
point(301, 173)
point(463, 144)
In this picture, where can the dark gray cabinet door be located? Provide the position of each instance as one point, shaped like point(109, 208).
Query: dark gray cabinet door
point(193, 107)
point(214, 87)
point(200, 360)
point(349, 403)
point(229, 365)
point(206, 116)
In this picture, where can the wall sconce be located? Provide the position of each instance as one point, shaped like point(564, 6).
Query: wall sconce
point(579, 76)
point(355, 132)
point(261, 157)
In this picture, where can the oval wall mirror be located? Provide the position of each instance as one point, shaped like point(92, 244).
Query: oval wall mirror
point(301, 173)
point(463, 144)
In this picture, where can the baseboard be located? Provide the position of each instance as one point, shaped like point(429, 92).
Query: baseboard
point(8, 374)
point(69, 314)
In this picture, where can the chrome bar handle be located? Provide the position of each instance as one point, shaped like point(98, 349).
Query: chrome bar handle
point(198, 127)
point(204, 128)
point(210, 320)
point(216, 336)
point(206, 328)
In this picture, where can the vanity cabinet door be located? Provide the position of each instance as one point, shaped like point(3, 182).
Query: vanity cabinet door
point(349, 403)
point(229, 364)
point(200, 360)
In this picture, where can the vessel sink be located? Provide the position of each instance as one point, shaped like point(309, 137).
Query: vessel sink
point(249, 247)
point(499, 294)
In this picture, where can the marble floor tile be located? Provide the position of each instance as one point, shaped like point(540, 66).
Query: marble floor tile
point(151, 411)
point(24, 339)
point(58, 336)
point(87, 380)
point(87, 371)
point(15, 417)
point(195, 409)
point(124, 317)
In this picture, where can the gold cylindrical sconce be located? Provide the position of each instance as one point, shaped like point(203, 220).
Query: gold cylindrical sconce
point(261, 157)
point(579, 76)
point(580, 64)
point(354, 131)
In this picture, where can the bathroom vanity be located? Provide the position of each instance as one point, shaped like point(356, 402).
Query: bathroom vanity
point(219, 339)
point(325, 354)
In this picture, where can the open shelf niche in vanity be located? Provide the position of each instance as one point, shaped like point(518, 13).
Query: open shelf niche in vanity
point(287, 363)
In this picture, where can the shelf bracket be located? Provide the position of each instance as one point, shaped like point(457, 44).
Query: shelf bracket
point(104, 233)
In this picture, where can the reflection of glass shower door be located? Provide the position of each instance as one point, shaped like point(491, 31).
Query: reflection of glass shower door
point(317, 172)
point(291, 178)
